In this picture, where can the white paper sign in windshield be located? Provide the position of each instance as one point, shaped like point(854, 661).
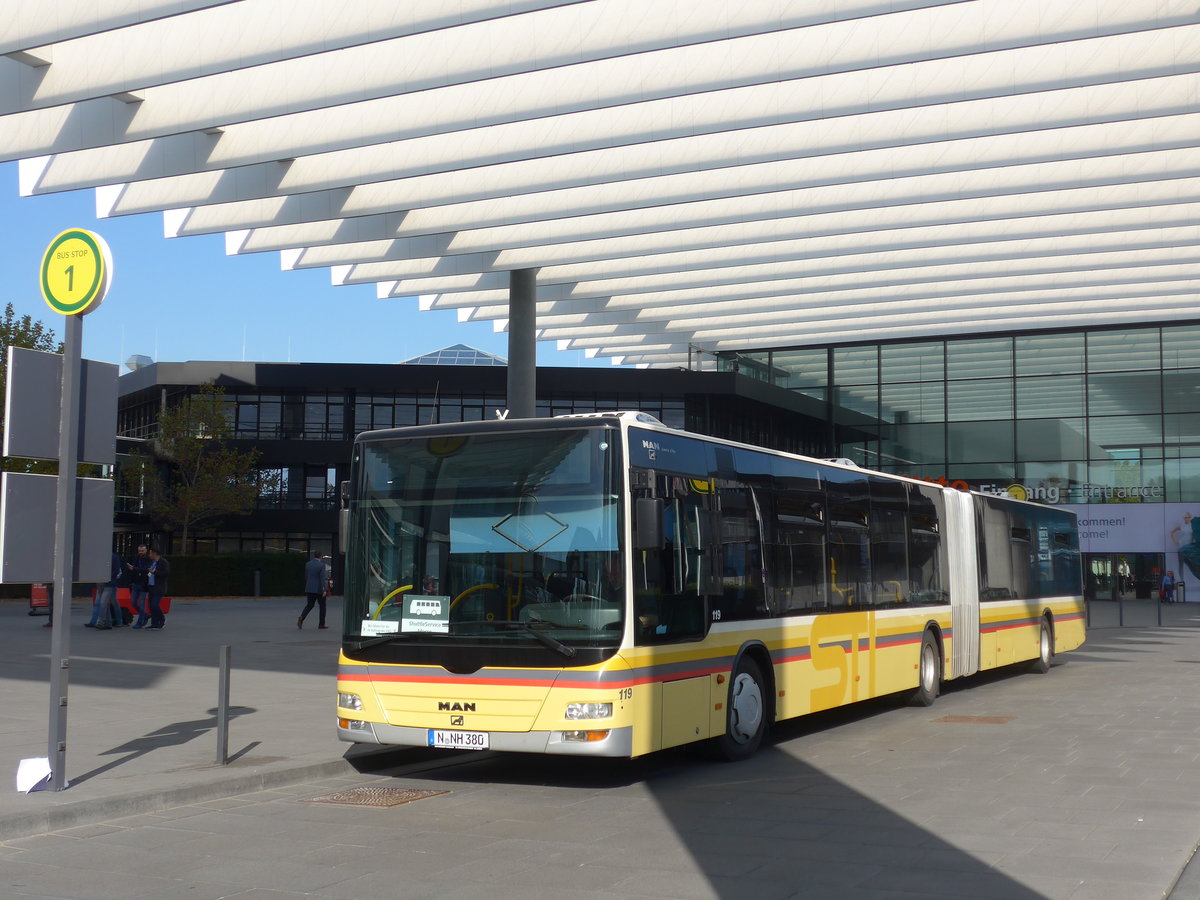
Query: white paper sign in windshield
point(423, 612)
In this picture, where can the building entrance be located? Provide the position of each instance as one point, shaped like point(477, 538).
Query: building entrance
point(1122, 576)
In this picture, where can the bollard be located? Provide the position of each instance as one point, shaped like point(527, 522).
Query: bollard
point(257, 583)
point(223, 706)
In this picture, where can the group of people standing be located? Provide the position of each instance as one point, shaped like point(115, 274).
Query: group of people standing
point(147, 576)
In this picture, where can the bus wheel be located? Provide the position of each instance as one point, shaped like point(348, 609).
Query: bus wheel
point(745, 717)
point(929, 673)
point(1041, 665)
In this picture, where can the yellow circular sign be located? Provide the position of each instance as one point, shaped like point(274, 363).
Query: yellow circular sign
point(76, 272)
point(1017, 492)
point(445, 446)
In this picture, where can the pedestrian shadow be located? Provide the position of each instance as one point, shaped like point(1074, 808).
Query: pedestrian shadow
point(173, 735)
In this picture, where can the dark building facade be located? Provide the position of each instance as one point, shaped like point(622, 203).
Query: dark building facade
point(303, 417)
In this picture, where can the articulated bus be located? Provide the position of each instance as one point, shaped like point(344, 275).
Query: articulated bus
point(604, 585)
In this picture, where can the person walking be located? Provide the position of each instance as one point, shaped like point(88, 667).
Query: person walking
point(139, 588)
point(1167, 590)
point(314, 587)
point(106, 609)
point(158, 578)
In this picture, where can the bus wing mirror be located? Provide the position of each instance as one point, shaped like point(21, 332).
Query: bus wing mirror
point(648, 524)
point(343, 528)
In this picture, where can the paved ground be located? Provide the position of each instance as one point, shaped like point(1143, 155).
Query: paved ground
point(1078, 784)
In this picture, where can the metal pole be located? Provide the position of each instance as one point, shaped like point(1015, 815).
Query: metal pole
point(522, 346)
point(223, 705)
point(64, 551)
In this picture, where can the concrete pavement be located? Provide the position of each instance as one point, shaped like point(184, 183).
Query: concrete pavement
point(1080, 784)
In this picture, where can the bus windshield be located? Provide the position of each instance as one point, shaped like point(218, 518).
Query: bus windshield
point(498, 540)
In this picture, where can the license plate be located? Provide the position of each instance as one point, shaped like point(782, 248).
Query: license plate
point(458, 740)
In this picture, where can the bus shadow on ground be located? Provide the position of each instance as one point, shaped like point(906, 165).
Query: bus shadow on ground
point(770, 826)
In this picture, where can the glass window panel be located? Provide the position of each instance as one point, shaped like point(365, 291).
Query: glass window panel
point(1124, 481)
point(1181, 391)
point(923, 402)
point(798, 369)
point(1181, 347)
point(913, 362)
point(1051, 439)
point(1055, 396)
point(229, 542)
point(990, 398)
point(1182, 430)
point(977, 442)
point(1110, 435)
point(1183, 481)
point(274, 542)
point(1054, 482)
point(988, 357)
point(991, 477)
point(904, 446)
point(857, 399)
point(1117, 395)
point(1122, 351)
point(855, 365)
point(1049, 354)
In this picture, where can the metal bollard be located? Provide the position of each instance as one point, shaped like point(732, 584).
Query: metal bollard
point(223, 706)
point(257, 583)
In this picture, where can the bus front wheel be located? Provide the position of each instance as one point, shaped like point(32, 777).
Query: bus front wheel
point(929, 673)
point(745, 715)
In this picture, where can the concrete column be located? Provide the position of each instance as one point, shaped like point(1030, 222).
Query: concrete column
point(522, 362)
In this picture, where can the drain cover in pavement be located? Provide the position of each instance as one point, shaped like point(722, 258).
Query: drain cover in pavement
point(375, 796)
point(976, 720)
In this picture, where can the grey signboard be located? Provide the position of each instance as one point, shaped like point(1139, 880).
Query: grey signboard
point(27, 514)
point(33, 398)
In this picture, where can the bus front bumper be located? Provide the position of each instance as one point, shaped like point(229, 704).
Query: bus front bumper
point(618, 743)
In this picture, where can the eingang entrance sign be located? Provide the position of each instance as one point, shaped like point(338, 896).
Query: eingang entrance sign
point(76, 272)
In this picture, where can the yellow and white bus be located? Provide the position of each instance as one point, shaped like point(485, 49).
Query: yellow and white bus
point(603, 585)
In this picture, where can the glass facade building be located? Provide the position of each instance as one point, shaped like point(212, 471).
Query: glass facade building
point(1105, 421)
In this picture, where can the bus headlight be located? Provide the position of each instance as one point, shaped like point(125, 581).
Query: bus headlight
point(349, 701)
point(589, 710)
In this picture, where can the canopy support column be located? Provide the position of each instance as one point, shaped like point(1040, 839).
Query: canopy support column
point(522, 347)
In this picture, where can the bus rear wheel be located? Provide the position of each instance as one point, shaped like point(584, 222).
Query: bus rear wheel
point(929, 673)
point(745, 714)
point(1041, 664)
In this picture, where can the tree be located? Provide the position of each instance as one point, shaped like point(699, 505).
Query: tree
point(25, 332)
point(203, 478)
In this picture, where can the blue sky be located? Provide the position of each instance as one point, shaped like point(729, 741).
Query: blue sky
point(183, 298)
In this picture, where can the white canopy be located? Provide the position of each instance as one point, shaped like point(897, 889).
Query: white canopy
point(681, 173)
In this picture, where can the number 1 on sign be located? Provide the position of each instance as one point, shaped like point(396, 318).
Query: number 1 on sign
point(70, 278)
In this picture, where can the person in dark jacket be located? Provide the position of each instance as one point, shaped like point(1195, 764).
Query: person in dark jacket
point(139, 587)
point(314, 587)
point(158, 576)
point(108, 610)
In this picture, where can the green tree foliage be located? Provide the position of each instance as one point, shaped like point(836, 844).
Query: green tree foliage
point(194, 476)
point(23, 331)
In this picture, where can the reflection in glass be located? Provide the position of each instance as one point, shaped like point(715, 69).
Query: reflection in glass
point(1039, 398)
point(903, 446)
point(1181, 391)
point(800, 369)
point(920, 402)
point(1116, 395)
point(1122, 351)
point(983, 399)
point(1049, 354)
point(1110, 434)
point(855, 365)
point(1181, 346)
point(988, 357)
point(913, 362)
point(970, 442)
point(1051, 439)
